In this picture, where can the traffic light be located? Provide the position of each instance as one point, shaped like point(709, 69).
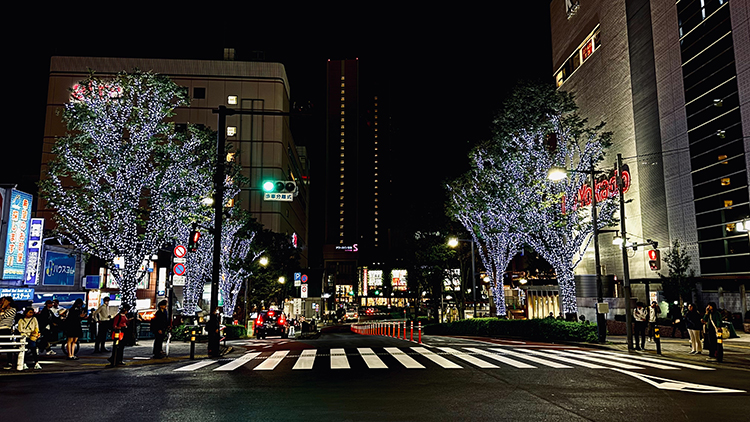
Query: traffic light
point(276, 186)
point(195, 236)
point(654, 259)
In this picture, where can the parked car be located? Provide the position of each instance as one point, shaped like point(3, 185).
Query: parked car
point(271, 322)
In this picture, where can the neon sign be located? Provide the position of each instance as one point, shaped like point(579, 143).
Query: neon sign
point(606, 188)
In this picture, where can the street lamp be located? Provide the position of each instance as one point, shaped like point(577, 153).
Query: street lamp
point(557, 174)
point(453, 242)
point(263, 261)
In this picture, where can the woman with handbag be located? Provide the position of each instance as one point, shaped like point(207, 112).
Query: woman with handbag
point(28, 326)
point(712, 322)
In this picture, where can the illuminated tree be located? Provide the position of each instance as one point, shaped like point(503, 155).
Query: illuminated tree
point(123, 182)
point(542, 125)
point(486, 202)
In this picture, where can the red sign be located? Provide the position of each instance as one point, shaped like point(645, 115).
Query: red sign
point(180, 251)
point(179, 269)
point(606, 188)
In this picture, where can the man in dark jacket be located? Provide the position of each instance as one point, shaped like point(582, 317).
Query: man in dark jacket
point(160, 327)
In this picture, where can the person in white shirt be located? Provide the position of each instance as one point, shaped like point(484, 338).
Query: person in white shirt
point(640, 316)
point(103, 318)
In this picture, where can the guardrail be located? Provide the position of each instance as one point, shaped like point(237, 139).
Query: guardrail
point(14, 343)
point(394, 329)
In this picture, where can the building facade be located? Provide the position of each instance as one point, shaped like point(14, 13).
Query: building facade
point(671, 80)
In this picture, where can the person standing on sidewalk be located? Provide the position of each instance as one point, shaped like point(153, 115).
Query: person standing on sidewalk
point(29, 326)
point(103, 319)
point(119, 325)
point(640, 316)
point(693, 321)
point(46, 320)
point(7, 321)
point(73, 329)
point(160, 327)
point(712, 321)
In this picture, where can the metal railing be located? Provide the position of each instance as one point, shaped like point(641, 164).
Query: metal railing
point(14, 343)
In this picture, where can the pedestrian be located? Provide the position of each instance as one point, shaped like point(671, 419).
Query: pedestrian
point(46, 320)
point(693, 322)
point(640, 316)
point(29, 326)
point(678, 322)
point(160, 327)
point(103, 320)
point(7, 321)
point(653, 313)
point(712, 326)
point(119, 325)
point(72, 327)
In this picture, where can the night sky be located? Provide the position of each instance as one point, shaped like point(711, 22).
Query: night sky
point(447, 68)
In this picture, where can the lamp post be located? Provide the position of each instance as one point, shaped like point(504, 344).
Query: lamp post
point(263, 261)
point(453, 242)
point(556, 174)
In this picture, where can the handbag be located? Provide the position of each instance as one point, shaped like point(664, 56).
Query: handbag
point(34, 336)
point(117, 335)
point(722, 333)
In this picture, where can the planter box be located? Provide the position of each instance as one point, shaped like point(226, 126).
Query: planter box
point(747, 327)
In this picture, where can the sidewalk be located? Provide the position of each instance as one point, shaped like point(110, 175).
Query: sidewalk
point(88, 360)
point(736, 350)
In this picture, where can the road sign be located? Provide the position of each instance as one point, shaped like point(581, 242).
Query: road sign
point(297, 276)
point(178, 280)
point(180, 251)
point(180, 260)
point(304, 278)
point(287, 197)
point(303, 291)
point(179, 269)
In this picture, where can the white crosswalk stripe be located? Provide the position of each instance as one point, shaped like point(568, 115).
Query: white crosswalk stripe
point(231, 366)
point(339, 360)
point(443, 357)
point(306, 359)
point(445, 363)
point(403, 358)
point(272, 362)
point(371, 359)
point(534, 359)
point(468, 358)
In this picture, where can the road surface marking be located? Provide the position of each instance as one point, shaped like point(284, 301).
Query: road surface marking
point(531, 358)
point(306, 359)
point(406, 360)
point(670, 362)
point(468, 358)
point(628, 359)
point(231, 366)
point(196, 365)
point(564, 359)
point(603, 359)
point(271, 362)
point(503, 359)
point(371, 359)
point(339, 360)
point(445, 363)
point(667, 384)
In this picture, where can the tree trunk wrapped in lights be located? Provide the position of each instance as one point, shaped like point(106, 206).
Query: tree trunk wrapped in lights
point(123, 181)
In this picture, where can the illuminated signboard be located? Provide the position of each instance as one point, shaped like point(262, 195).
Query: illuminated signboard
point(17, 294)
point(398, 279)
point(59, 269)
point(375, 278)
point(14, 265)
point(352, 248)
point(34, 250)
point(605, 188)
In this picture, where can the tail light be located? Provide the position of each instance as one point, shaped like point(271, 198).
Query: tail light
point(282, 321)
point(259, 320)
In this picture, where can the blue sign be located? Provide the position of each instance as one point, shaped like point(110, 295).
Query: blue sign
point(59, 269)
point(14, 264)
point(297, 276)
point(18, 294)
point(34, 250)
point(92, 282)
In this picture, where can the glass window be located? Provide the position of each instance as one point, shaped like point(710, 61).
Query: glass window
point(232, 99)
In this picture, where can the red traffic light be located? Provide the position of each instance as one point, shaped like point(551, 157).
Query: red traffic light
point(195, 236)
point(654, 258)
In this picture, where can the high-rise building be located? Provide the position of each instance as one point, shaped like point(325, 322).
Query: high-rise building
point(672, 81)
point(357, 177)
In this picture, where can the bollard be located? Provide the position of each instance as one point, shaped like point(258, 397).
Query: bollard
point(411, 335)
point(420, 332)
point(192, 342)
point(404, 330)
point(398, 330)
point(719, 355)
point(657, 340)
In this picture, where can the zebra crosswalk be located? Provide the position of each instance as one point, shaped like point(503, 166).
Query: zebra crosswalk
point(421, 357)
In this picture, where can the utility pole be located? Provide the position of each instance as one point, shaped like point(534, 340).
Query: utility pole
point(625, 267)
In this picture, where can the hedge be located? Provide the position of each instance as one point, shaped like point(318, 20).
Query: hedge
point(546, 329)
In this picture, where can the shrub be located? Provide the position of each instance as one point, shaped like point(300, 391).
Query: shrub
point(533, 329)
point(234, 332)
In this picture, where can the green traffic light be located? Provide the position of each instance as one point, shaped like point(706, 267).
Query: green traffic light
point(269, 186)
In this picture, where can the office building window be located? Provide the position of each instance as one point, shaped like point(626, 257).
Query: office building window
point(580, 55)
point(199, 93)
point(232, 100)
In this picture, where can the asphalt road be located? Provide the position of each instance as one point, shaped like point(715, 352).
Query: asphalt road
point(348, 377)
